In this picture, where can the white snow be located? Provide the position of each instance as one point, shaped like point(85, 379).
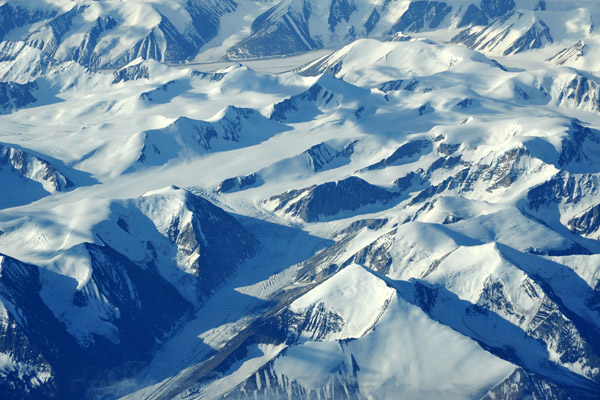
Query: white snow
point(478, 231)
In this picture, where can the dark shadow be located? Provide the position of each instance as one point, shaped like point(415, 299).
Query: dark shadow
point(546, 273)
point(549, 216)
point(15, 96)
point(50, 94)
point(293, 246)
point(459, 238)
point(18, 190)
point(167, 92)
point(375, 207)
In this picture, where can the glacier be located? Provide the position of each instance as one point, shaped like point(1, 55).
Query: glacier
point(299, 199)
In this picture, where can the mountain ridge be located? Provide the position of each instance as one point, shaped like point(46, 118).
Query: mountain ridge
point(299, 199)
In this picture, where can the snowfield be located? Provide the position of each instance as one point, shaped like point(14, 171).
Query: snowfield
point(217, 199)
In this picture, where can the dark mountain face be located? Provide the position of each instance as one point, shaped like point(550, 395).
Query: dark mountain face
point(14, 95)
point(86, 40)
point(408, 207)
point(331, 198)
point(135, 306)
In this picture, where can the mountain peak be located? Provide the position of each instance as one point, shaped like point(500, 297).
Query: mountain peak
point(299, 199)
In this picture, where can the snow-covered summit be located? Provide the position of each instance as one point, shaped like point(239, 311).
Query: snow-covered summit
point(299, 199)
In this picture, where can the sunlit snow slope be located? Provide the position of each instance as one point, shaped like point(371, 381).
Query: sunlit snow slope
point(342, 199)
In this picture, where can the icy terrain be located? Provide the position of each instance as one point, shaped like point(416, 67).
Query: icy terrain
point(299, 199)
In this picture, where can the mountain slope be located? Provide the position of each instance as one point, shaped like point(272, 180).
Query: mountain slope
point(97, 35)
point(407, 207)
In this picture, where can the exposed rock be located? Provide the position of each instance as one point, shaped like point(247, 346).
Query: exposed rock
point(494, 37)
point(405, 154)
point(132, 73)
point(14, 96)
point(422, 15)
point(237, 183)
point(586, 223)
point(330, 199)
point(568, 54)
point(32, 167)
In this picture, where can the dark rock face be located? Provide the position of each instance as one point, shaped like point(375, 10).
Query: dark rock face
point(443, 163)
point(238, 127)
point(219, 240)
point(143, 308)
point(466, 103)
point(411, 85)
point(422, 15)
point(521, 385)
point(494, 298)
point(50, 349)
point(473, 16)
point(14, 96)
point(447, 184)
point(578, 146)
point(376, 255)
point(488, 9)
point(22, 163)
point(178, 46)
point(12, 17)
point(447, 149)
point(391, 85)
point(25, 340)
point(325, 65)
point(314, 323)
point(48, 37)
point(407, 153)
point(85, 54)
point(563, 187)
point(197, 237)
point(27, 177)
point(318, 158)
point(506, 169)
point(497, 8)
point(372, 21)
point(499, 174)
point(53, 354)
point(269, 385)
point(131, 73)
point(291, 105)
point(143, 317)
point(356, 226)
point(541, 5)
point(581, 91)
point(408, 181)
point(206, 18)
point(568, 53)
point(279, 31)
point(330, 199)
point(322, 156)
point(181, 46)
point(586, 223)
point(537, 36)
point(237, 183)
point(340, 10)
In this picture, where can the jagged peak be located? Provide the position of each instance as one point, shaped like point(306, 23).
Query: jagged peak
point(232, 112)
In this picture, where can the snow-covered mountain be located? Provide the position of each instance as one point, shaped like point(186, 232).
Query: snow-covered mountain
point(385, 199)
point(100, 34)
